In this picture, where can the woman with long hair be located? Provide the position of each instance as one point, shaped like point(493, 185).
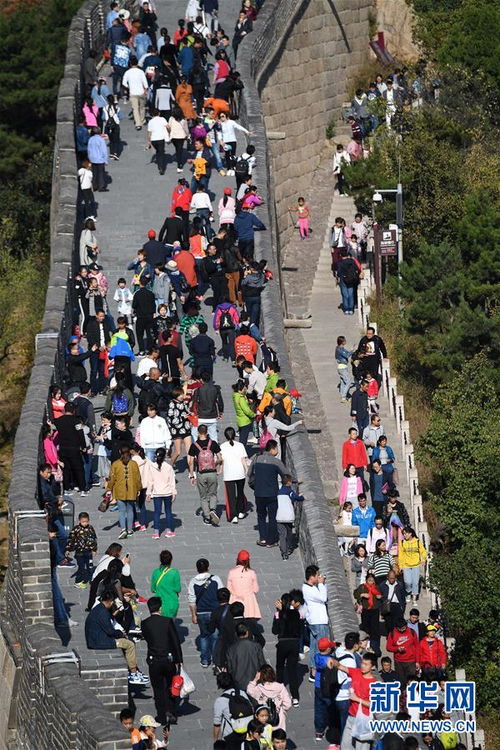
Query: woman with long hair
point(380, 562)
point(162, 489)
point(359, 563)
point(350, 487)
point(178, 128)
point(266, 687)
point(179, 424)
point(370, 598)
point(243, 585)
point(140, 514)
point(245, 415)
point(234, 467)
point(411, 556)
point(288, 626)
point(274, 427)
point(57, 402)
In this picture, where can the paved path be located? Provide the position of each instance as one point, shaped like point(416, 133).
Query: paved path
point(326, 316)
point(139, 199)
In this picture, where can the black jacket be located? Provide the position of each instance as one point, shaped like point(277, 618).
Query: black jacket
point(202, 348)
point(76, 369)
point(399, 595)
point(93, 333)
point(156, 252)
point(359, 403)
point(172, 231)
point(374, 346)
point(161, 636)
point(153, 392)
point(209, 401)
point(69, 436)
point(118, 439)
point(143, 303)
point(288, 624)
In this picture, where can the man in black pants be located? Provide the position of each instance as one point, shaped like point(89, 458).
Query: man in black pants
point(144, 306)
point(71, 446)
point(164, 659)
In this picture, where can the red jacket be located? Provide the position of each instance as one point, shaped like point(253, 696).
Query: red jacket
point(181, 196)
point(354, 453)
point(408, 640)
point(434, 656)
point(187, 265)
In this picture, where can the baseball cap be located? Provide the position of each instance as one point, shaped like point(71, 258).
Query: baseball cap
point(151, 234)
point(148, 721)
point(325, 643)
point(363, 636)
point(431, 628)
point(228, 191)
point(172, 265)
point(243, 555)
point(295, 393)
point(94, 267)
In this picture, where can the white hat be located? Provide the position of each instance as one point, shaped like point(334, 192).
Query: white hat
point(172, 265)
point(124, 14)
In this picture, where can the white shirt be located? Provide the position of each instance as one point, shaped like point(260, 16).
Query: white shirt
point(154, 433)
point(85, 176)
point(201, 200)
point(228, 128)
point(145, 365)
point(135, 81)
point(232, 456)
point(257, 381)
point(339, 159)
point(315, 599)
point(157, 126)
point(163, 98)
point(344, 680)
point(241, 191)
point(124, 298)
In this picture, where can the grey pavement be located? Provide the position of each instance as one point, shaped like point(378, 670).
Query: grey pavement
point(138, 199)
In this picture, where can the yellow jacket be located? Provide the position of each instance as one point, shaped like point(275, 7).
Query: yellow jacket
point(267, 398)
point(124, 480)
point(411, 553)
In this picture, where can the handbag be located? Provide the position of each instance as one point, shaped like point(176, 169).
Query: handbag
point(104, 504)
point(361, 727)
point(188, 685)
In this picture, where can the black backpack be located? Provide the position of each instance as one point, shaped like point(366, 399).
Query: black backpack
point(240, 711)
point(274, 714)
point(349, 273)
point(241, 167)
point(226, 322)
point(329, 681)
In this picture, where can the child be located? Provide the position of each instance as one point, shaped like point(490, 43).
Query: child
point(342, 356)
point(147, 729)
point(127, 721)
point(353, 247)
point(295, 396)
point(262, 715)
point(253, 736)
point(387, 673)
point(340, 159)
point(303, 213)
point(360, 229)
point(124, 297)
point(345, 519)
point(82, 541)
point(103, 453)
point(321, 703)
point(85, 178)
point(372, 392)
point(285, 516)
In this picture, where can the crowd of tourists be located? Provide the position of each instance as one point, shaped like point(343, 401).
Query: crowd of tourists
point(153, 363)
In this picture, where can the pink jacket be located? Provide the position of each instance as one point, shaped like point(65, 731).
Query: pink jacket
point(243, 585)
point(232, 311)
point(275, 690)
point(160, 482)
point(343, 488)
point(50, 452)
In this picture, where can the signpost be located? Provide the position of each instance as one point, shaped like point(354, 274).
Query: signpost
point(385, 244)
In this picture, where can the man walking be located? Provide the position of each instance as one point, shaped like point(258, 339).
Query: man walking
point(202, 599)
point(164, 658)
point(137, 84)
point(99, 335)
point(263, 476)
point(244, 658)
point(98, 156)
point(207, 455)
point(157, 135)
point(359, 406)
point(209, 405)
point(144, 306)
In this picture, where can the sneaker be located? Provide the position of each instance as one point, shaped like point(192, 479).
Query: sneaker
point(142, 528)
point(312, 678)
point(123, 534)
point(260, 543)
point(207, 521)
point(204, 664)
point(302, 656)
point(214, 518)
point(66, 564)
point(295, 703)
point(273, 544)
point(169, 532)
point(284, 557)
point(83, 493)
point(155, 535)
point(252, 440)
point(241, 515)
point(80, 585)
point(72, 623)
point(179, 170)
point(306, 649)
point(222, 172)
point(137, 525)
point(230, 172)
point(130, 533)
point(318, 736)
point(137, 678)
point(138, 127)
point(235, 520)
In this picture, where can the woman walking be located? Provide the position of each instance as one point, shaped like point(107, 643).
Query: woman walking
point(245, 415)
point(161, 487)
point(380, 562)
point(265, 687)
point(179, 424)
point(125, 484)
point(178, 128)
point(234, 467)
point(288, 626)
point(166, 583)
point(370, 598)
point(411, 555)
point(243, 585)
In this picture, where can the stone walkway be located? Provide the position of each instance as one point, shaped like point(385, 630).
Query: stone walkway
point(139, 198)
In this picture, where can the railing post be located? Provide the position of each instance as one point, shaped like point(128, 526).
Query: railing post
point(386, 374)
point(392, 392)
point(405, 435)
point(400, 411)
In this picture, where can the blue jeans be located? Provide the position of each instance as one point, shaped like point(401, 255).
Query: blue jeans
point(316, 632)
point(140, 514)
point(411, 578)
point(60, 612)
point(244, 432)
point(150, 453)
point(252, 305)
point(345, 381)
point(165, 500)
point(204, 214)
point(97, 379)
point(347, 293)
point(202, 181)
point(321, 711)
point(217, 157)
point(267, 507)
point(84, 571)
point(126, 514)
point(343, 711)
point(207, 640)
point(59, 543)
point(211, 427)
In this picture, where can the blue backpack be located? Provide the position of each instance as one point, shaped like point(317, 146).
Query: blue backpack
point(119, 404)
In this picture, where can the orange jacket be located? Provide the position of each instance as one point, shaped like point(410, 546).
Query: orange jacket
point(246, 346)
point(187, 265)
point(267, 398)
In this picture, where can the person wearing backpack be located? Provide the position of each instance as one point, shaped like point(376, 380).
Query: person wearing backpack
point(202, 600)
point(345, 654)
point(232, 712)
point(266, 690)
point(206, 454)
point(120, 401)
point(244, 165)
point(348, 274)
point(322, 687)
point(226, 318)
